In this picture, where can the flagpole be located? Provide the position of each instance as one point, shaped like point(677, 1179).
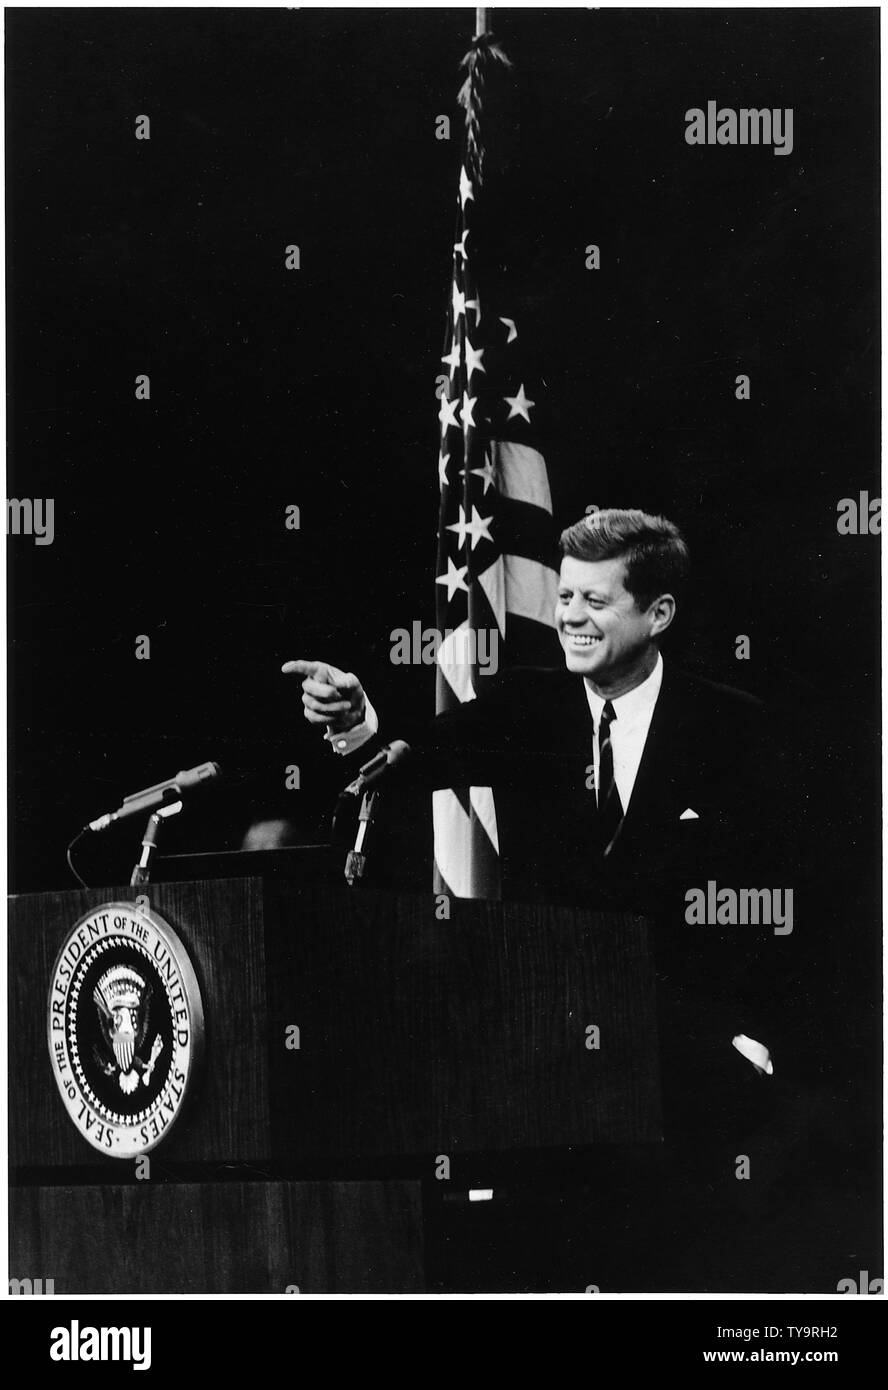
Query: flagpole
point(480, 20)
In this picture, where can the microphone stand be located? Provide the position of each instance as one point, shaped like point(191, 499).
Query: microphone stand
point(365, 783)
point(356, 861)
point(142, 871)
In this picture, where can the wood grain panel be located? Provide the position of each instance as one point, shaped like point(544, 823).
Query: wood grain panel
point(228, 1237)
point(464, 1035)
point(418, 1036)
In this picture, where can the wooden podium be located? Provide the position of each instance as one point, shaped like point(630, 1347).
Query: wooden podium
point(354, 1040)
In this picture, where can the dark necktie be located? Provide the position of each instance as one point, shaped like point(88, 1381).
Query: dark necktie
point(610, 809)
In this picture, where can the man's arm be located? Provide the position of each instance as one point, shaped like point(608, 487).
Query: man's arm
point(469, 744)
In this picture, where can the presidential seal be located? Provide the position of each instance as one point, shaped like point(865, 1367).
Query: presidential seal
point(125, 1028)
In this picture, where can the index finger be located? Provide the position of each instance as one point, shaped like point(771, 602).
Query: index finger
point(315, 669)
point(321, 671)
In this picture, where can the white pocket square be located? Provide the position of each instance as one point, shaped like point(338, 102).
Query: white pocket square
point(689, 815)
point(754, 1052)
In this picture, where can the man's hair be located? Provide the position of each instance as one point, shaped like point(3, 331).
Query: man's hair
point(655, 551)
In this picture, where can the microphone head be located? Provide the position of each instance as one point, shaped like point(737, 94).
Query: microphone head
point(161, 794)
point(385, 762)
point(194, 776)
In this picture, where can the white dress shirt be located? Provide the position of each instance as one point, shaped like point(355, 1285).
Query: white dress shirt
point(629, 729)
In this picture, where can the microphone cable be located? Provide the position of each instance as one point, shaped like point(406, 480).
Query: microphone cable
point(69, 855)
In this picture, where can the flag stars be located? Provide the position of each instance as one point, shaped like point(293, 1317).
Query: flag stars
point(476, 305)
point(460, 246)
point(453, 357)
point(454, 578)
point(465, 188)
point(478, 528)
point(513, 331)
point(460, 528)
point(473, 359)
point(443, 460)
point(459, 303)
point(519, 405)
point(468, 405)
point(488, 473)
point(447, 414)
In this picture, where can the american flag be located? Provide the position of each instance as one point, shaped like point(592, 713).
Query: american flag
point(495, 534)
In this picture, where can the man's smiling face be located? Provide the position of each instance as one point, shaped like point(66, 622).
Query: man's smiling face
point(605, 637)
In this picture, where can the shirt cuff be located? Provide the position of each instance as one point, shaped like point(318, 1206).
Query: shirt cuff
point(347, 742)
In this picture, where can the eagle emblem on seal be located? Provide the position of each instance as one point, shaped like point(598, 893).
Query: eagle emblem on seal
point(123, 999)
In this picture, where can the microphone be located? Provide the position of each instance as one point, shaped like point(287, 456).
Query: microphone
point(386, 759)
point(162, 793)
point(365, 785)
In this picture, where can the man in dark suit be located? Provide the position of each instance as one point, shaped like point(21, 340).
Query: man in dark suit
point(622, 782)
point(620, 779)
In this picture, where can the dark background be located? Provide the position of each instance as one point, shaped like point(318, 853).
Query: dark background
point(316, 387)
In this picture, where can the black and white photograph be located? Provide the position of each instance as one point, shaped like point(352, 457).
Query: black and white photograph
point(443, 638)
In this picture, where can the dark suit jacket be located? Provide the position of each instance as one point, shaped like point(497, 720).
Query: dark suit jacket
point(707, 751)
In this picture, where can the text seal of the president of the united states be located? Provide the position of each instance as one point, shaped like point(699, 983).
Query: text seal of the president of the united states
point(125, 1027)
